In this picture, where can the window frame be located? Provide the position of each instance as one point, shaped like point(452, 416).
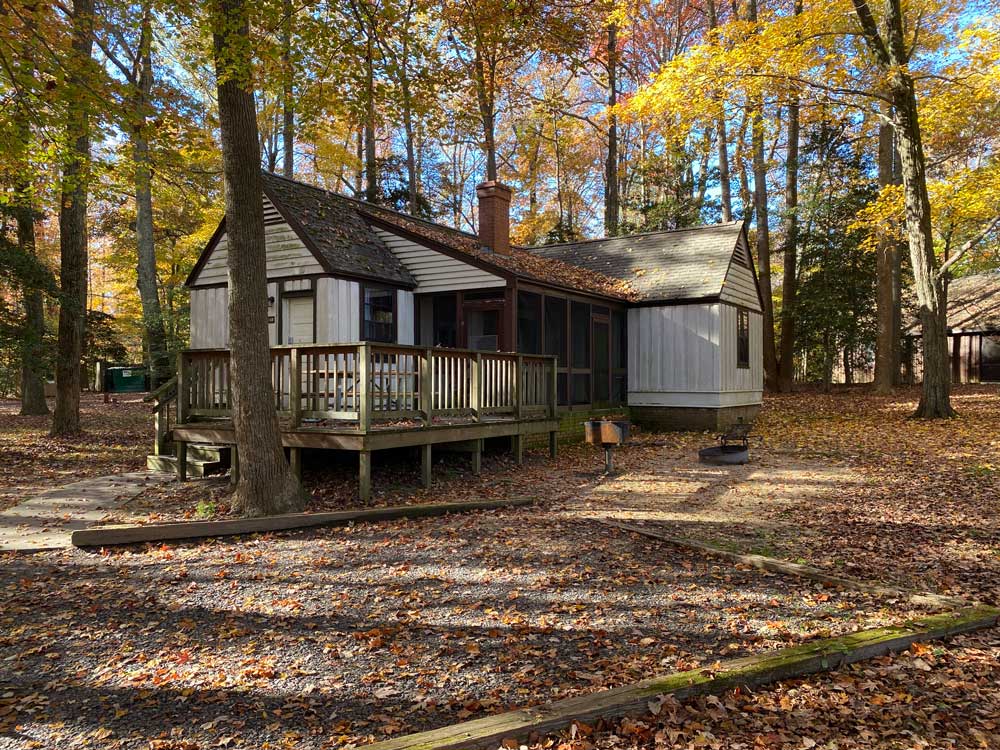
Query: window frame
point(363, 320)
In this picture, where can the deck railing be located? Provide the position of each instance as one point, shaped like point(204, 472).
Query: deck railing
point(371, 384)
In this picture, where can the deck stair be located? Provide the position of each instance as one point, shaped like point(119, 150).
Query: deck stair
point(203, 460)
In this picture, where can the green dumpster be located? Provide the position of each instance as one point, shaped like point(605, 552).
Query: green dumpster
point(125, 380)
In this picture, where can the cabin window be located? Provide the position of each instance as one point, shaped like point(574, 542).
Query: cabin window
point(529, 323)
point(378, 314)
point(743, 339)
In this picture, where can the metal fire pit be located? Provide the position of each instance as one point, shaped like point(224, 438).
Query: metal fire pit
point(733, 447)
point(608, 434)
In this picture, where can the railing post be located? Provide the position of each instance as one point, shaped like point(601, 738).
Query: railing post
point(427, 386)
point(519, 386)
point(160, 426)
point(365, 392)
point(554, 388)
point(295, 387)
point(183, 397)
point(475, 401)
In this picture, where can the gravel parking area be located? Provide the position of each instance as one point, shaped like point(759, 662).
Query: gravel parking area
point(342, 636)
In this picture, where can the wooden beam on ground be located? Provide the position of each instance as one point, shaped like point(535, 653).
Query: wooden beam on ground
point(750, 672)
point(106, 536)
point(775, 565)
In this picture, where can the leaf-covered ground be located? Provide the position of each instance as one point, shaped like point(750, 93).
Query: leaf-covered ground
point(333, 637)
point(346, 635)
point(116, 439)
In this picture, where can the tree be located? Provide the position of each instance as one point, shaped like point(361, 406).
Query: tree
point(73, 225)
point(266, 483)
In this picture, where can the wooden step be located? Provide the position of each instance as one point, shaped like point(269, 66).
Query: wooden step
point(196, 467)
point(200, 452)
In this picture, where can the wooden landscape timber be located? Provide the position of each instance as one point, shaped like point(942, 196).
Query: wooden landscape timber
point(107, 536)
point(753, 671)
point(774, 565)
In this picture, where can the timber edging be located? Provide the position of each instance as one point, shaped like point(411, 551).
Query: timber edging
point(774, 565)
point(106, 536)
point(752, 671)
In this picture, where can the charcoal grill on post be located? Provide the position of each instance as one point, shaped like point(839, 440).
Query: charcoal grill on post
point(733, 447)
point(608, 434)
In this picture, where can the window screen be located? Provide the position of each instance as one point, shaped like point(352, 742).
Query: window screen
point(529, 323)
point(379, 314)
point(555, 328)
point(580, 328)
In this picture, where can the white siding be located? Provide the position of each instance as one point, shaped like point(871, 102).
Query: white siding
point(404, 320)
point(685, 356)
point(210, 318)
point(286, 255)
point(338, 311)
point(437, 272)
point(749, 381)
point(740, 288)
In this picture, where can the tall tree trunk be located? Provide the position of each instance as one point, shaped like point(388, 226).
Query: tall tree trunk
point(611, 199)
point(152, 314)
point(33, 331)
point(371, 165)
point(266, 484)
point(722, 145)
point(887, 297)
point(486, 98)
point(73, 230)
point(287, 92)
point(412, 182)
point(789, 282)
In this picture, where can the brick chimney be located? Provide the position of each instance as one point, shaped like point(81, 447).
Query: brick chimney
point(494, 216)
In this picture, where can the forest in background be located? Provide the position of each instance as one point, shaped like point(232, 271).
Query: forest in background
point(606, 118)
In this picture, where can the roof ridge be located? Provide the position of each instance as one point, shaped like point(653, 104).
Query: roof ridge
point(368, 205)
point(636, 234)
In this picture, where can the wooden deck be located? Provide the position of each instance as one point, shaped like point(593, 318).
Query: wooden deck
point(366, 397)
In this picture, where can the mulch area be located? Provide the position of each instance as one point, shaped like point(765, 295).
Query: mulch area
point(341, 636)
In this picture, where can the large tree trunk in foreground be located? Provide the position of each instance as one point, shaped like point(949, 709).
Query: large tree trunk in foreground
point(887, 297)
point(611, 198)
point(892, 56)
point(266, 484)
point(152, 314)
point(73, 232)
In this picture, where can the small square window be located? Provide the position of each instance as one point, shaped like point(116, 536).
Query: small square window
point(743, 339)
point(379, 314)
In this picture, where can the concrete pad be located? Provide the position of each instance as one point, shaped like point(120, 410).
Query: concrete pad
point(47, 520)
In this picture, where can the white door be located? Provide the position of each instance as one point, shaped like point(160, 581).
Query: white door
point(300, 320)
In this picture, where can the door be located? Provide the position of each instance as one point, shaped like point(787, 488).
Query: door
point(299, 311)
point(989, 359)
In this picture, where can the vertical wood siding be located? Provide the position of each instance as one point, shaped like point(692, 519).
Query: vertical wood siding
point(740, 287)
point(404, 312)
point(673, 348)
point(210, 318)
point(734, 378)
point(437, 272)
point(338, 311)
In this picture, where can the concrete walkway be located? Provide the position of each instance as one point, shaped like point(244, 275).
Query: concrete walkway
point(47, 520)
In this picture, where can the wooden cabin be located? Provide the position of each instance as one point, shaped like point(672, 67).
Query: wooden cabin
point(392, 331)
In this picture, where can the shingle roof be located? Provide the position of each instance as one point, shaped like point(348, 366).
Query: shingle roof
point(332, 227)
point(669, 265)
point(974, 302)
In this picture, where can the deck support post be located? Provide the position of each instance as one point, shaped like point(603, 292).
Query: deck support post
point(553, 445)
point(425, 465)
point(477, 457)
point(182, 461)
point(365, 476)
point(518, 448)
point(234, 465)
point(295, 462)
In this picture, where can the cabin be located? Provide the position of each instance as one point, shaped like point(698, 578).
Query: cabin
point(973, 331)
point(377, 317)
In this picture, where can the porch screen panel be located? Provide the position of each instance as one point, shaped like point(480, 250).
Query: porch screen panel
point(580, 352)
point(529, 323)
point(556, 343)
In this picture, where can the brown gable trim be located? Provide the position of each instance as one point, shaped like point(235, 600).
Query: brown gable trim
point(437, 246)
point(313, 276)
point(206, 252)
